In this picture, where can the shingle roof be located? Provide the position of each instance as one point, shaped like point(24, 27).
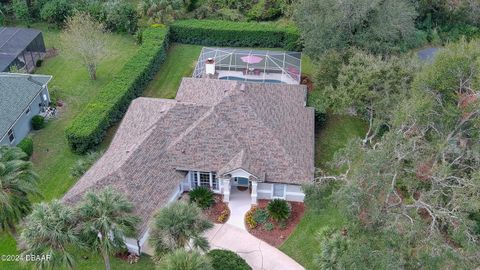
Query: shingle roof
point(17, 91)
point(213, 125)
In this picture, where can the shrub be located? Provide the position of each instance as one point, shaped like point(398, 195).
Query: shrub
point(249, 220)
point(38, 63)
point(38, 122)
point(56, 11)
point(26, 145)
point(202, 196)
point(227, 260)
point(268, 226)
point(83, 164)
point(21, 11)
point(279, 209)
point(89, 127)
point(260, 216)
point(454, 32)
point(235, 34)
point(184, 260)
point(121, 16)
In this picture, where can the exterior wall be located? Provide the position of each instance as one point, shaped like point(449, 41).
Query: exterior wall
point(132, 244)
point(292, 193)
point(22, 126)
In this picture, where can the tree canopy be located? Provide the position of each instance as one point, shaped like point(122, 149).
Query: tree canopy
point(412, 191)
point(379, 26)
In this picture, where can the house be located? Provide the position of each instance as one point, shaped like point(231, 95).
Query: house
point(20, 48)
point(216, 133)
point(22, 96)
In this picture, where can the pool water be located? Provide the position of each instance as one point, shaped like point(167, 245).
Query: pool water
point(232, 78)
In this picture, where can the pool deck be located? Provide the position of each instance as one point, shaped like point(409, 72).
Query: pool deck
point(262, 76)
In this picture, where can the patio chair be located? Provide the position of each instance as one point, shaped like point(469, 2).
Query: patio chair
point(257, 72)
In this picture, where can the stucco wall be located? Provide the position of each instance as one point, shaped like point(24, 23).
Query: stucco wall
point(293, 192)
point(23, 125)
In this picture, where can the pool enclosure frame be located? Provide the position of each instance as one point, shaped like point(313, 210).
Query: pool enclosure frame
point(265, 65)
point(20, 47)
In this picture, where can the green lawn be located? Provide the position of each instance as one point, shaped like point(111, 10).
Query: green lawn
point(52, 158)
point(180, 62)
point(333, 135)
point(302, 245)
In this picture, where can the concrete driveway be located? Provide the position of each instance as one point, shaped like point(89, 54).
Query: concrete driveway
point(240, 203)
point(258, 254)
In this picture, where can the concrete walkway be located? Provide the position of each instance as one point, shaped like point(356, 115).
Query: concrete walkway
point(258, 254)
point(240, 203)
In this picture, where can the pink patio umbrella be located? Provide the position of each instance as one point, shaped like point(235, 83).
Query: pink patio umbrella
point(251, 59)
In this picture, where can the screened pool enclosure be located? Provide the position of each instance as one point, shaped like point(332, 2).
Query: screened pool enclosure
point(249, 65)
point(20, 48)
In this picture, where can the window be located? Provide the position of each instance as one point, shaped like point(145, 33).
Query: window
point(279, 190)
point(194, 180)
point(214, 181)
point(11, 136)
point(204, 179)
point(27, 111)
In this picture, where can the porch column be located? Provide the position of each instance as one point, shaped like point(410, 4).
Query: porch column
point(226, 189)
point(254, 192)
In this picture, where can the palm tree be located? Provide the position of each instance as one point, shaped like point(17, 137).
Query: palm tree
point(176, 226)
point(18, 181)
point(181, 259)
point(106, 220)
point(49, 230)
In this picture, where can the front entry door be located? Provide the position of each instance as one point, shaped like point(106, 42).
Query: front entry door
point(242, 182)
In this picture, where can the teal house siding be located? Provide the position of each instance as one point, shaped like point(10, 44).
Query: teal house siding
point(22, 96)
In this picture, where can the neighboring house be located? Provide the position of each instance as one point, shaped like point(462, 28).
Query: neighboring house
point(20, 47)
point(22, 96)
point(216, 133)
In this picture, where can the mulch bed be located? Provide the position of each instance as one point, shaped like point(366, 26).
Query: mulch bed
point(218, 209)
point(127, 256)
point(277, 236)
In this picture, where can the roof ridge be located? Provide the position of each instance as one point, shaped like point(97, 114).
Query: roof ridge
point(190, 128)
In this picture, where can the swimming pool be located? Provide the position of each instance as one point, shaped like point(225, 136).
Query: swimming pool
point(233, 78)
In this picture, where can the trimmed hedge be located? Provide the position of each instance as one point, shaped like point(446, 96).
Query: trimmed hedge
point(89, 127)
point(227, 260)
point(235, 34)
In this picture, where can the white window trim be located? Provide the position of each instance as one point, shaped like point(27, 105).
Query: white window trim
point(284, 191)
point(8, 136)
point(211, 179)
